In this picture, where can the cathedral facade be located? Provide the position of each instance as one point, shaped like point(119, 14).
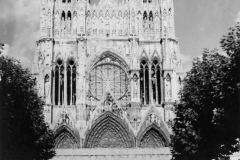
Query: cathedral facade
point(109, 72)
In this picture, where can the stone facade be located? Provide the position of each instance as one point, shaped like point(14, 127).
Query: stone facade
point(109, 73)
point(114, 154)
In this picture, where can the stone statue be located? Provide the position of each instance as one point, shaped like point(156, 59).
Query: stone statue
point(47, 89)
point(69, 23)
point(168, 87)
point(63, 25)
point(135, 88)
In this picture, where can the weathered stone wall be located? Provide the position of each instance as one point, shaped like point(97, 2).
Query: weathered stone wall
point(110, 74)
point(113, 154)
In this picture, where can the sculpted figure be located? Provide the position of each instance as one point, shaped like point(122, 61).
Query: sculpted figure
point(168, 86)
point(47, 88)
point(68, 23)
point(63, 25)
point(135, 88)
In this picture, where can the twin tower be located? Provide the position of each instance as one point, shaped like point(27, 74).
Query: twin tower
point(109, 72)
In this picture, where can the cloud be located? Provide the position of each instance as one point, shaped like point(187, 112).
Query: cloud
point(19, 29)
point(187, 62)
point(238, 17)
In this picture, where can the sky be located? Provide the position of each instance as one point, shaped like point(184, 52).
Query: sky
point(199, 24)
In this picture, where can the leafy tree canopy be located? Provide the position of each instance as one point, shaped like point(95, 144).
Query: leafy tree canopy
point(23, 133)
point(207, 114)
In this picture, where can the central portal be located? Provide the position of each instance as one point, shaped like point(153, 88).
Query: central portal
point(109, 131)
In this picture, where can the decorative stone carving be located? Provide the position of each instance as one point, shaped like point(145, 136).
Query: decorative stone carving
point(65, 138)
point(112, 133)
point(122, 54)
point(64, 119)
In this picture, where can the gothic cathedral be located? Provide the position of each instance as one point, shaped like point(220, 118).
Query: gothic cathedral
point(109, 72)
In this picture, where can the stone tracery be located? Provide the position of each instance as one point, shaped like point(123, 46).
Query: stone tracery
point(153, 138)
point(65, 138)
point(109, 131)
point(89, 62)
point(150, 82)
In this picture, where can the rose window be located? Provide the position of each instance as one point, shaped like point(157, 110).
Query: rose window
point(108, 78)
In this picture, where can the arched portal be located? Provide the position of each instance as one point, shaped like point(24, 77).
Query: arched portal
point(153, 137)
point(66, 138)
point(109, 131)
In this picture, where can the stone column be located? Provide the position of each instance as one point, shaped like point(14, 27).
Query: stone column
point(71, 86)
point(144, 85)
point(59, 85)
point(162, 86)
point(65, 84)
point(156, 85)
point(150, 83)
point(53, 87)
point(78, 73)
point(80, 80)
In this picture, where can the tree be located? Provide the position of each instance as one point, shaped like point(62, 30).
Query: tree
point(207, 114)
point(24, 134)
point(231, 45)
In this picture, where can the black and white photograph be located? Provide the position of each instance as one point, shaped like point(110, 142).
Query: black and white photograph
point(119, 79)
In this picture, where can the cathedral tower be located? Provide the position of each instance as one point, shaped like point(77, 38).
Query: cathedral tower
point(109, 72)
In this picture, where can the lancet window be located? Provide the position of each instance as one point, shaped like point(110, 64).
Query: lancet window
point(59, 82)
point(150, 82)
point(69, 22)
point(63, 24)
point(145, 21)
point(151, 20)
point(63, 15)
point(156, 81)
point(71, 82)
point(144, 82)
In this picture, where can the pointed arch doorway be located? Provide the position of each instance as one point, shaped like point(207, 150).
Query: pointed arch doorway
point(109, 131)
